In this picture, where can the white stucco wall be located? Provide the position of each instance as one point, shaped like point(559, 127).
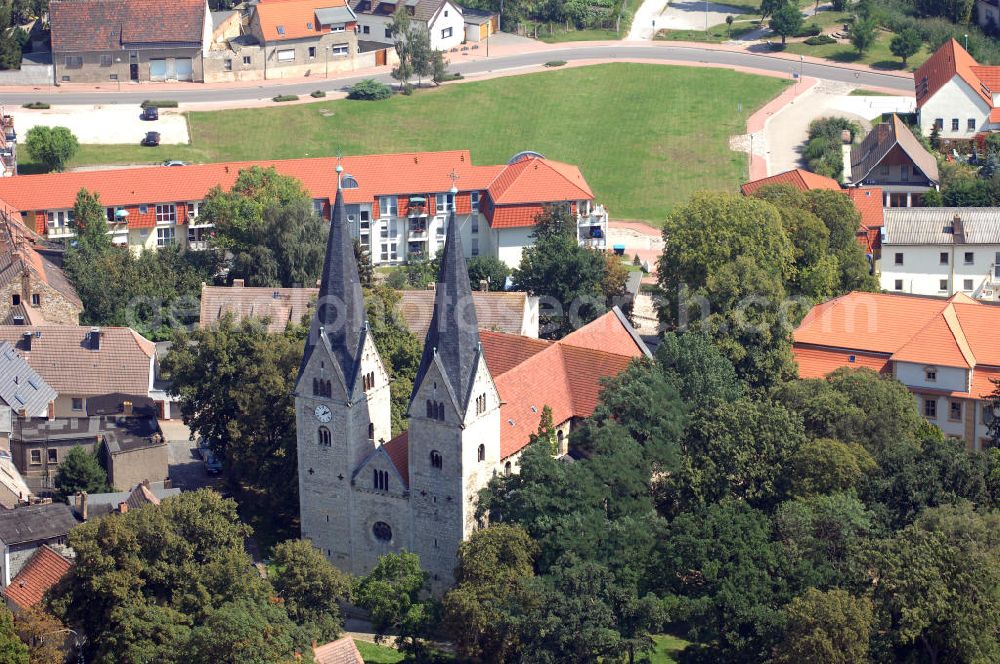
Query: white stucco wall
point(510, 243)
point(448, 16)
point(955, 99)
point(922, 271)
point(952, 379)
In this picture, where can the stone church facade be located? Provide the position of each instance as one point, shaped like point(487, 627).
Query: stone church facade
point(363, 493)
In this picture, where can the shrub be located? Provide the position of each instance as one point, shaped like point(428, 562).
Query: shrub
point(285, 98)
point(823, 152)
point(810, 30)
point(369, 90)
point(555, 63)
point(37, 105)
point(317, 94)
point(159, 103)
point(820, 40)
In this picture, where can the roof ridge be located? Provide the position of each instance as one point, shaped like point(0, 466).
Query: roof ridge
point(955, 327)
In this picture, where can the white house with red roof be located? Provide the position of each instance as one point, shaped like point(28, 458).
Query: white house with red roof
point(477, 397)
point(944, 350)
point(957, 94)
point(396, 204)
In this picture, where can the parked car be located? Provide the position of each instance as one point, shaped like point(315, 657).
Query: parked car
point(152, 138)
point(150, 113)
point(174, 162)
point(204, 448)
point(213, 466)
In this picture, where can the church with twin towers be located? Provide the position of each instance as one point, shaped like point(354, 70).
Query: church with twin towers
point(477, 397)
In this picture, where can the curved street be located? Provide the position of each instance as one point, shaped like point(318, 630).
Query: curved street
point(652, 51)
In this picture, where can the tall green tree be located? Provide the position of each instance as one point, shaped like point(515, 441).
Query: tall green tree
point(235, 384)
point(489, 269)
point(864, 33)
point(311, 588)
point(832, 627)
point(53, 147)
point(243, 632)
point(481, 613)
point(90, 223)
point(906, 44)
point(395, 594)
point(787, 20)
point(80, 471)
point(401, 32)
point(569, 279)
point(266, 222)
point(12, 649)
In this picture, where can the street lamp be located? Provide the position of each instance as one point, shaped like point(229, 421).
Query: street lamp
point(118, 74)
point(966, 42)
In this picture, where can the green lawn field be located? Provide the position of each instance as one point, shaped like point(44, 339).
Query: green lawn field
point(373, 653)
point(666, 648)
point(645, 136)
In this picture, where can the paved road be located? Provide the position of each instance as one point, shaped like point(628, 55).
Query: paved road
point(764, 61)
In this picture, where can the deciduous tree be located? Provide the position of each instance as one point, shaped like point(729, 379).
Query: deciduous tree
point(863, 34)
point(52, 146)
point(787, 20)
point(905, 44)
point(831, 627)
point(489, 269)
point(395, 594)
point(311, 587)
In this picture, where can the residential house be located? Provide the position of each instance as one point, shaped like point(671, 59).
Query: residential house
point(23, 394)
point(443, 20)
point(891, 158)
point(867, 201)
point(91, 506)
point(25, 530)
point(513, 313)
point(305, 37)
point(93, 370)
point(341, 651)
point(944, 350)
point(33, 291)
point(129, 445)
point(46, 567)
point(97, 41)
point(956, 94)
point(942, 251)
point(396, 204)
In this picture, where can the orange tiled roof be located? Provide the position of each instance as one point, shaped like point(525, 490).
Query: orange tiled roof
point(514, 216)
point(297, 18)
point(995, 115)
point(798, 178)
point(942, 66)
point(982, 382)
point(530, 374)
point(341, 651)
point(531, 181)
point(868, 202)
point(957, 332)
point(817, 363)
point(536, 180)
point(42, 571)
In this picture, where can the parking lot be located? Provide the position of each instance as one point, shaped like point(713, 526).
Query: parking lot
point(113, 123)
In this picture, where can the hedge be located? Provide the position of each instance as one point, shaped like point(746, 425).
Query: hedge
point(159, 103)
point(285, 98)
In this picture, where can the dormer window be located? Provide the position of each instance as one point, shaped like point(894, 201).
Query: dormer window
point(930, 373)
point(281, 30)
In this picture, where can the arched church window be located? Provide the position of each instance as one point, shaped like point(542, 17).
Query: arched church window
point(506, 469)
point(329, 389)
point(559, 440)
point(440, 411)
point(436, 460)
point(324, 437)
point(315, 387)
point(482, 452)
point(382, 531)
point(371, 431)
point(380, 480)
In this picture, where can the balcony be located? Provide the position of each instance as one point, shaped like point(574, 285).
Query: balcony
point(57, 232)
point(197, 245)
point(592, 229)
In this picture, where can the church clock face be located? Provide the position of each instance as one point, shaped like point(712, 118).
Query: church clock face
point(323, 413)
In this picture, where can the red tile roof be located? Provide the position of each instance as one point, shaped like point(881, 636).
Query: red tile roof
point(104, 25)
point(341, 651)
point(868, 202)
point(42, 571)
point(942, 66)
point(297, 18)
point(523, 185)
point(798, 178)
point(957, 332)
point(530, 374)
point(536, 180)
point(61, 356)
point(17, 256)
point(513, 216)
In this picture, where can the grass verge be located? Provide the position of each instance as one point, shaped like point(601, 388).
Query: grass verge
point(666, 649)
point(645, 136)
point(373, 653)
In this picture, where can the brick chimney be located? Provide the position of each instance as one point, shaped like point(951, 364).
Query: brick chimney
point(238, 283)
point(81, 504)
point(127, 408)
point(94, 338)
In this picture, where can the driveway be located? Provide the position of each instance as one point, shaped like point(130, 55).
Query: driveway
point(187, 472)
point(787, 131)
point(106, 123)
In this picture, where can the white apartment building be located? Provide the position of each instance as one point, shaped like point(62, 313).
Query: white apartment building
point(941, 251)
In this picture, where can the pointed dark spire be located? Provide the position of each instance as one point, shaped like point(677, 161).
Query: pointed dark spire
point(454, 331)
point(340, 309)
